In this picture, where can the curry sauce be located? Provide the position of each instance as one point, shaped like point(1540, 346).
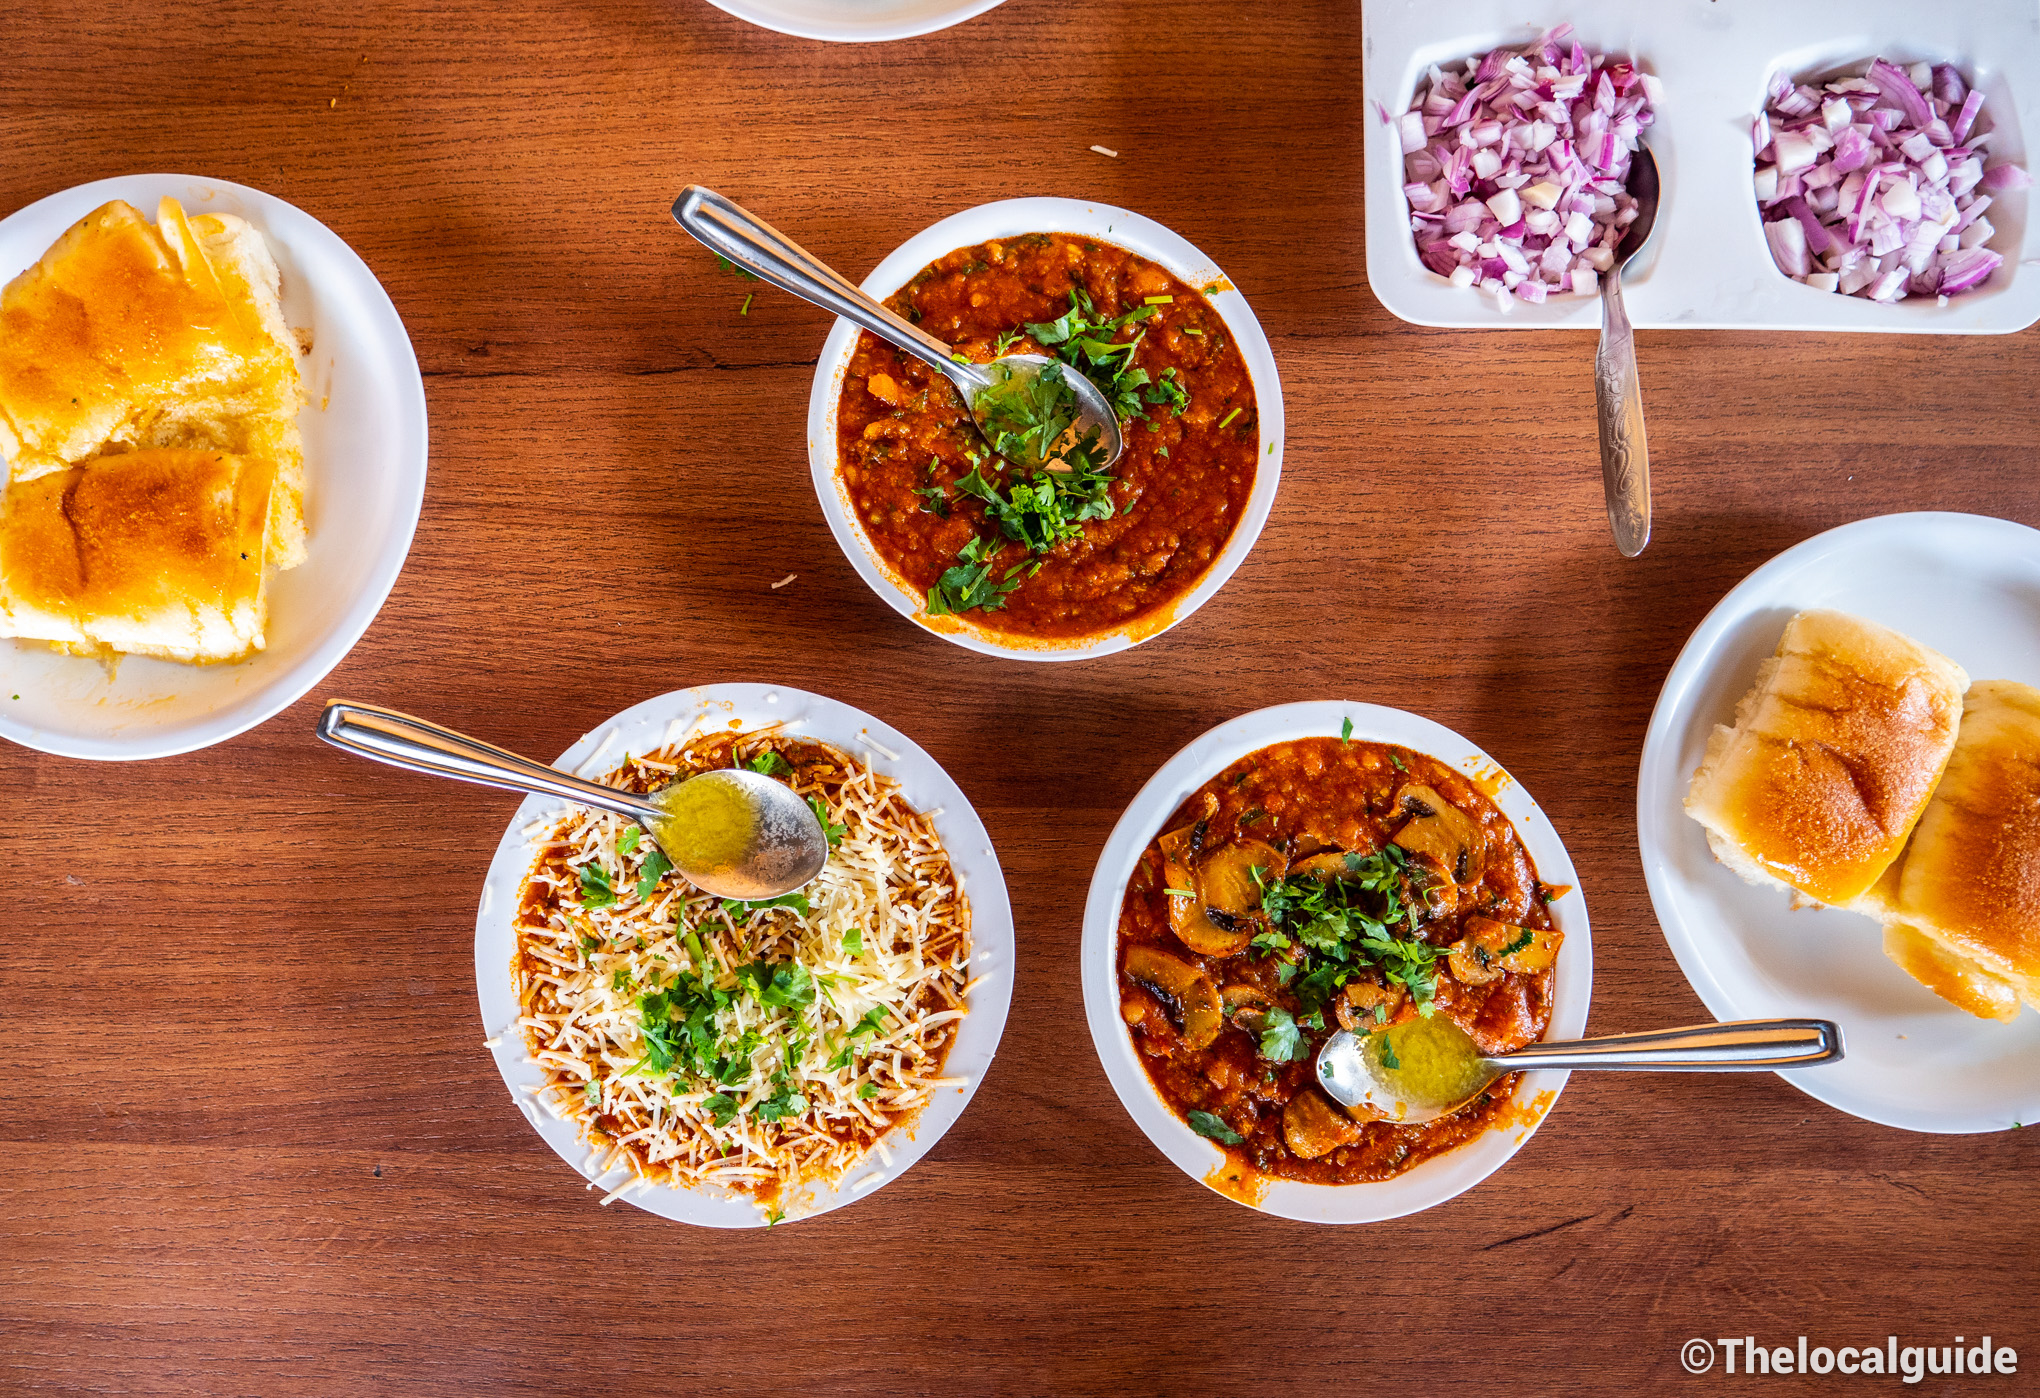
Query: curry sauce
point(1380, 885)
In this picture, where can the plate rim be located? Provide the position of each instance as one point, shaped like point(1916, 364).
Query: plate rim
point(1089, 218)
point(1435, 1181)
point(412, 469)
point(994, 949)
point(1655, 770)
point(753, 13)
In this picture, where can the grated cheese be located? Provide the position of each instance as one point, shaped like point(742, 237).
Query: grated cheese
point(775, 1106)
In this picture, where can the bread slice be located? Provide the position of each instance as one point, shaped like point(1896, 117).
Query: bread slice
point(127, 335)
point(153, 552)
point(1833, 756)
point(1963, 906)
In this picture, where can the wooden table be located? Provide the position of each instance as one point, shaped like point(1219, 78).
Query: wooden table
point(251, 1140)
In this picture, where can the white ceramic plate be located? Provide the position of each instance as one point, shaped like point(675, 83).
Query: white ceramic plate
point(667, 719)
point(1007, 219)
point(854, 21)
point(1707, 266)
point(1443, 1176)
point(1970, 588)
point(364, 433)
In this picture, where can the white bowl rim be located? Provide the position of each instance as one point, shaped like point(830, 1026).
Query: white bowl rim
point(1440, 1178)
point(1008, 218)
point(768, 16)
point(930, 789)
point(411, 425)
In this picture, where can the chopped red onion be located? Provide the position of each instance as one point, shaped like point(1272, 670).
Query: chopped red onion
point(1515, 167)
point(1875, 186)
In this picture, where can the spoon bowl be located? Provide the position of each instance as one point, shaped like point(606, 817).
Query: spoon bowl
point(747, 241)
point(733, 833)
point(1425, 1068)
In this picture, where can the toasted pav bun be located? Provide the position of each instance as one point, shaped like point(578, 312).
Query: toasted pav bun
point(1833, 756)
point(130, 335)
point(1965, 900)
point(155, 552)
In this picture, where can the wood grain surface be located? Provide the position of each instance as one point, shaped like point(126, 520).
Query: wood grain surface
point(250, 1141)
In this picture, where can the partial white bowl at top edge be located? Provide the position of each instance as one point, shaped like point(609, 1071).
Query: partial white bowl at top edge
point(365, 448)
point(1707, 266)
point(668, 719)
point(855, 21)
point(1010, 218)
point(1965, 585)
point(1438, 1179)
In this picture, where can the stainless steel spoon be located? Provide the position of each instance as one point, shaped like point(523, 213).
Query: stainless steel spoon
point(766, 253)
point(786, 846)
point(1618, 398)
point(1422, 1069)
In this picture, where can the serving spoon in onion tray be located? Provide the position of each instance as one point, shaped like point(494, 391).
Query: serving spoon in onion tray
point(1424, 1068)
point(1618, 396)
point(990, 391)
point(733, 833)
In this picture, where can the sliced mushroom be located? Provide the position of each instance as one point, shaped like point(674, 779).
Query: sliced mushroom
point(1440, 829)
point(1312, 1126)
point(1368, 1003)
point(1491, 948)
point(1246, 1007)
point(1431, 888)
point(1183, 987)
point(1220, 916)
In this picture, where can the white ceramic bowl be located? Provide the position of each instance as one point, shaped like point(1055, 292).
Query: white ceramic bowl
point(668, 719)
point(364, 434)
point(1443, 1176)
point(854, 21)
point(1707, 266)
point(1970, 588)
point(1006, 219)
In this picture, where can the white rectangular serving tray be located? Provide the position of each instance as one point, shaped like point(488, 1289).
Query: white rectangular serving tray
point(1706, 266)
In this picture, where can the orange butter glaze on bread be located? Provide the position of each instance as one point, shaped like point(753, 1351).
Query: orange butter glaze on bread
point(1833, 756)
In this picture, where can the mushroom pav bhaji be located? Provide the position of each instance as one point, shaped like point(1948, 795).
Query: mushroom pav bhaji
point(1322, 884)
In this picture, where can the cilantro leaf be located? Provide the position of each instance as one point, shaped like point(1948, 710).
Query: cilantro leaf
point(1388, 1058)
point(1213, 1126)
point(655, 866)
point(596, 891)
point(722, 1108)
point(832, 831)
point(968, 584)
point(739, 910)
point(770, 763)
point(853, 941)
point(627, 842)
point(868, 1091)
point(1281, 1039)
point(1346, 732)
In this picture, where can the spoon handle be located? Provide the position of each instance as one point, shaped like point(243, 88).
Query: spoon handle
point(1764, 1045)
point(762, 250)
point(1618, 407)
point(384, 735)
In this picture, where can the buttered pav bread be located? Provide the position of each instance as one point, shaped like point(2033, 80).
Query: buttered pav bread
point(152, 552)
point(1962, 907)
point(129, 335)
point(1833, 756)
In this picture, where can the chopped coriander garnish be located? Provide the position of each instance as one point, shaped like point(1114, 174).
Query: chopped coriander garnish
point(1181, 892)
point(853, 941)
point(596, 890)
point(832, 831)
point(1396, 758)
point(1192, 330)
point(1346, 732)
point(1281, 1039)
point(1211, 1125)
point(868, 1091)
point(1158, 300)
point(649, 873)
point(738, 909)
point(627, 842)
point(1388, 1058)
point(968, 585)
point(729, 266)
point(721, 1107)
point(745, 309)
point(1228, 418)
point(770, 763)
